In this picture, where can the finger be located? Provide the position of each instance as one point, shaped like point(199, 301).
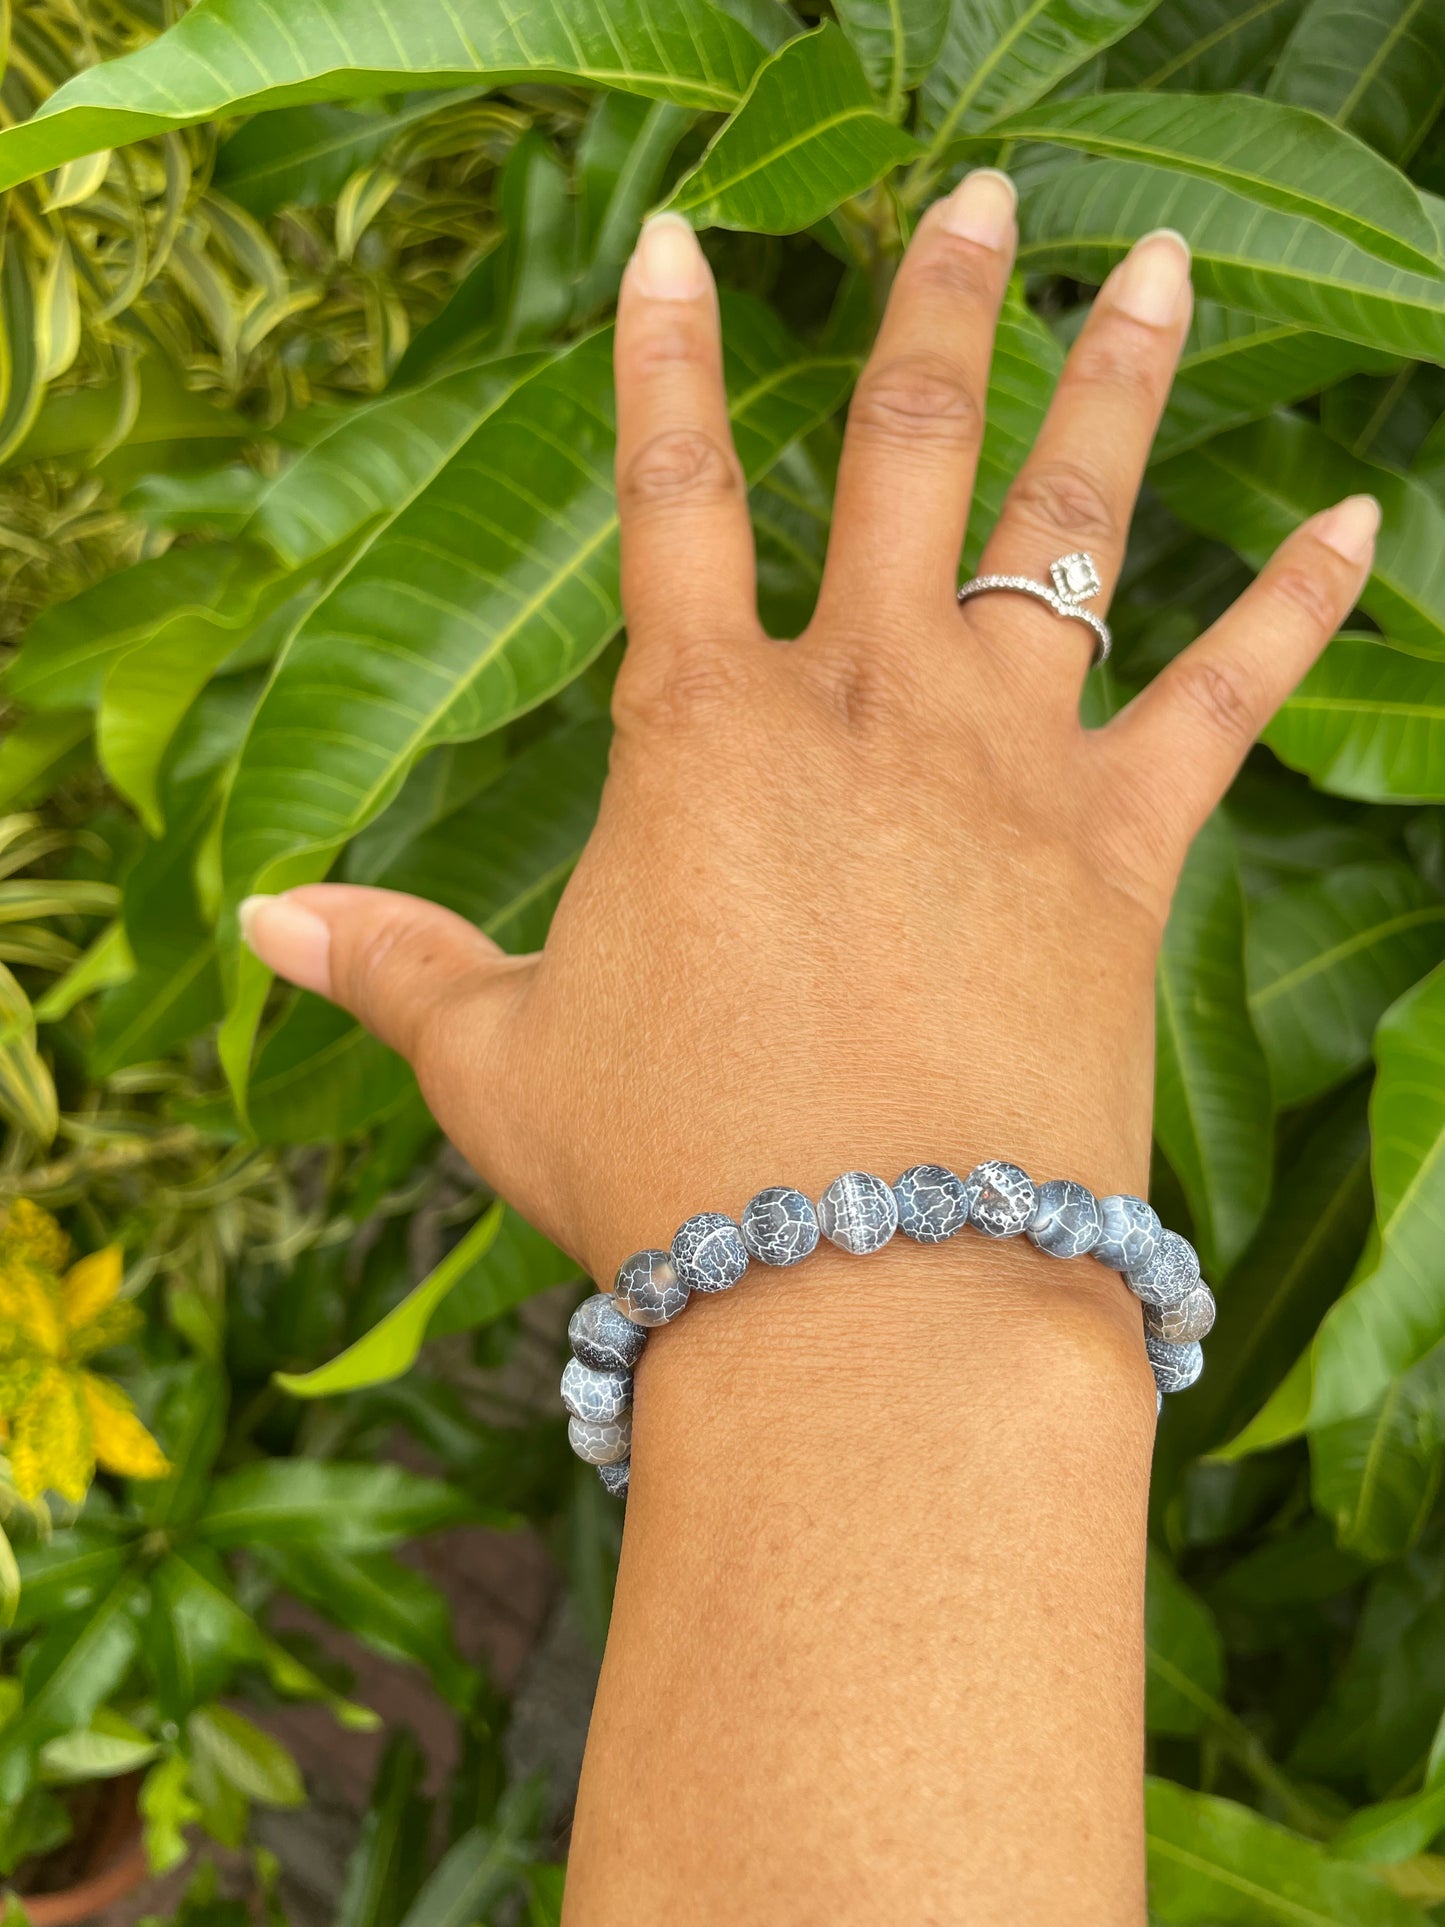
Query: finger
point(915, 423)
point(402, 966)
point(1179, 743)
point(1078, 487)
point(687, 545)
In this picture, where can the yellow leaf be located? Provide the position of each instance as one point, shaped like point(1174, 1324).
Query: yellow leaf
point(30, 1232)
point(122, 1444)
point(115, 1324)
point(50, 1448)
point(90, 1285)
point(30, 1318)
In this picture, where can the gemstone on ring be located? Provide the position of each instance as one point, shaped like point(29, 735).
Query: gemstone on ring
point(1075, 577)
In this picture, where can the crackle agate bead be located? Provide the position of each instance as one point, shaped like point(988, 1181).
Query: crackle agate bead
point(858, 1212)
point(1066, 1221)
point(1170, 1273)
point(708, 1252)
point(1129, 1229)
point(600, 1444)
point(932, 1203)
point(648, 1288)
point(1187, 1319)
point(779, 1226)
point(615, 1477)
point(1002, 1199)
point(603, 1337)
point(597, 1396)
point(1175, 1366)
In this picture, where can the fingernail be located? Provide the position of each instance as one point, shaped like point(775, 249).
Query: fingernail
point(1350, 527)
point(1150, 281)
point(293, 942)
point(981, 209)
point(668, 264)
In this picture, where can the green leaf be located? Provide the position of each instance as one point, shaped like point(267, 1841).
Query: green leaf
point(27, 1090)
point(1215, 1864)
point(621, 159)
point(108, 961)
point(1374, 66)
point(302, 156)
point(253, 1762)
point(1202, 46)
point(1212, 1109)
point(352, 1508)
point(1326, 959)
point(896, 40)
point(196, 1635)
point(1376, 1476)
point(38, 752)
point(807, 138)
point(110, 1746)
point(486, 1864)
point(61, 1576)
point(390, 1348)
point(296, 1681)
point(1392, 1831)
point(1027, 361)
point(1272, 155)
point(388, 1861)
point(1184, 1655)
point(9, 1582)
point(238, 57)
point(520, 1263)
point(76, 1663)
point(167, 1809)
point(1367, 721)
point(1080, 218)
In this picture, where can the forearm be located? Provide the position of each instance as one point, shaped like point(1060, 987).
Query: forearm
point(877, 1648)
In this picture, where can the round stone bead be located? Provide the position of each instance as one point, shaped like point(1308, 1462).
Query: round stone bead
point(932, 1203)
point(1189, 1318)
point(600, 1444)
point(1129, 1229)
point(858, 1212)
point(1066, 1220)
point(602, 1335)
point(1169, 1274)
point(780, 1227)
point(648, 1288)
point(708, 1252)
point(614, 1477)
point(596, 1396)
point(1002, 1199)
point(1175, 1366)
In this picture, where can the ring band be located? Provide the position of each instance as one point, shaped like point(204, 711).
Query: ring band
point(1075, 580)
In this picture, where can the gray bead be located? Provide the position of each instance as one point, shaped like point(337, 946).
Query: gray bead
point(1002, 1199)
point(615, 1477)
point(1175, 1366)
point(1129, 1231)
point(648, 1288)
point(600, 1444)
point(596, 1396)
point(709, 1252)
point(932, 1203)
point(1170, 1273)
point(858, 1212)
point(1189, 1318)
point(780, 1227)
point(602, 1335)
point(1066, 1221)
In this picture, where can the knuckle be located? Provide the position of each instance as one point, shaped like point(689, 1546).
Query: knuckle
point(1220, 696)
point(958, 270)
point(858, 688)
point(1114, 365)
point(917, 398)
point(698, 682)
point(678, 464)
point(1066, 500)
point(1310, 593)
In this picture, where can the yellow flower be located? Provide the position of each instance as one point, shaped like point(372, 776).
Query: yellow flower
point(62, 1419)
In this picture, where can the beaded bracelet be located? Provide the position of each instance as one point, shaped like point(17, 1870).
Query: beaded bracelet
point(860, 1213)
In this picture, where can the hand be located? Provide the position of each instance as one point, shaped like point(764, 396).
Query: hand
point(873, 896)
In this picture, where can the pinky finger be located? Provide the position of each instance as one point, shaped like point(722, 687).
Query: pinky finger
point(1178, 745)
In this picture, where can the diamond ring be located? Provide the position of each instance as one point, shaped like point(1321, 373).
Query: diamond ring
point(1075, 581)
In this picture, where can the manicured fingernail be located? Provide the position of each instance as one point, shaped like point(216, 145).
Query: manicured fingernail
point(981, 208)
point(1150, 281)
point(1350, 527)
point(293, 942)
point(668, 264)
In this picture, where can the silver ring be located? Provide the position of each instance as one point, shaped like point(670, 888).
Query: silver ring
point(1075, 581)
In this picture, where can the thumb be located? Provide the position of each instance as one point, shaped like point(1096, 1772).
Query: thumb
point(397, 963)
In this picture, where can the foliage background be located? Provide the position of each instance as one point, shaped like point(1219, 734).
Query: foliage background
point(310, 551)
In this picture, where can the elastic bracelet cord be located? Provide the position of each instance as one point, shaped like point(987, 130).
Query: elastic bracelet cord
point(860, 1213)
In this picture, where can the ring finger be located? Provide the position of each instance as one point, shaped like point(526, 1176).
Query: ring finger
point(1078, 487)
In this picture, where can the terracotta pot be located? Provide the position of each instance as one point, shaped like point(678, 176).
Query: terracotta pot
point(113, 1864)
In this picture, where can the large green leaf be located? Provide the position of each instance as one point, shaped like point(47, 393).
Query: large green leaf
point(78, 1660)
point(61, 1575)
point(1183, 1652)
point(196, 1635)
point(1275, 156)
point(1212, 1109)
point(1080, 218)
point(808, 137)
point(1203, 46)
point(1376, 1476)
point(621, 159)
point(1375, 66)
point(241, 56)
point(484, 1865)
point(1213, 1863)
point(1027, 361)
point(1367, 721)
point(1326, 959)
point(896, 40)
point(519, 1264)
point(351, 1508)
